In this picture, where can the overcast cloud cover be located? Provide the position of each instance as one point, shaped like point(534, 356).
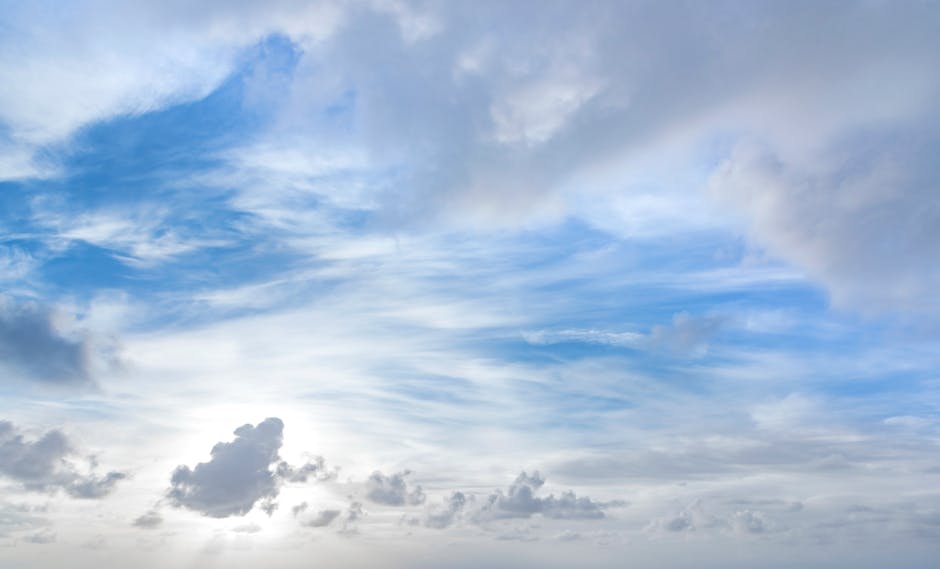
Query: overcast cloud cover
point(469, 284)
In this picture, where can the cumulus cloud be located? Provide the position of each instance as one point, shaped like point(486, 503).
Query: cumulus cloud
point(440, 517)
point(696, 518)
point(520, 501)
point(240, 474)
point(313, 470)
point(51, 463)
point(35, 345)
point(393, 490)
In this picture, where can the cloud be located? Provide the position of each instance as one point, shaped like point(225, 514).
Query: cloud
point(48, 464)
point(34, 344)
point(16, 518)
point(149, 520)
point(861, 216)
point(520, 501)
point(443, 517)
point(687, 334)
point(322, 519)
point(315, 470)
point(239, 475)
point(393, 490)
point(695, 517)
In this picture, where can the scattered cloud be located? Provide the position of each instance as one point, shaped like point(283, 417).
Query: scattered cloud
point(51, 463)
point(393, 490)
point(520, 501)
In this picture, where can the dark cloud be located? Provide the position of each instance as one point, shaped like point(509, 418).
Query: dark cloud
point(33, 346)
point(239, 474)
point(520, 501)
point(393, 490)
point(49, 464)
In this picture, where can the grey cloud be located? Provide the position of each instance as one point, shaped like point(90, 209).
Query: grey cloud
point(41, 538)
point(48, 464)
point(862, 217)
point(33, 346)
point(696, 518)
point(520, 501)
point(692, 518)
point(393, 490)
point(442, 517)
point(238, 475)
point(486, 126)
point(323, 518)
point(242, 474)
point(16, 518)
point(299, 508)
point(315, 470)
point(149, 520)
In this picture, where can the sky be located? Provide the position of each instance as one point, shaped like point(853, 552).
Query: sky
point(469, 285)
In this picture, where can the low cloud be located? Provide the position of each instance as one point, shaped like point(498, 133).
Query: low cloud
point(51, 463)
point(442, 517)
point(393, 490)
point(322, 519)
point(240, 473)
point(150, 520)
point(520, 501)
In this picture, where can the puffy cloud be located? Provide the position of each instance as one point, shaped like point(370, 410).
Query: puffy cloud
point(442, 517)
point(48, 464)
point(35, 345)
point(695, 517)
point(243, 473)
point(315, 470)
point(239, 474)
point(393, 490)
point(520, 501)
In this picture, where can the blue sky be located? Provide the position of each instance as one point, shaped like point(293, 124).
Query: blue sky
point(496, 285)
